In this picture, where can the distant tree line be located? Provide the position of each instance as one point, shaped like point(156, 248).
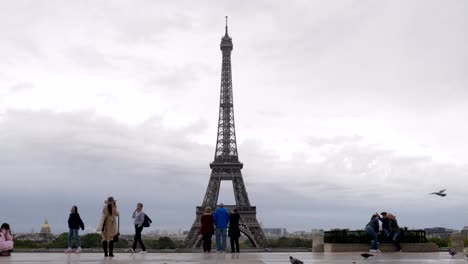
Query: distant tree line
point(93, 240)
point(444, 242)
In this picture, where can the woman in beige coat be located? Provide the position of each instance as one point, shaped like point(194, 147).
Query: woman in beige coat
point(108, 225)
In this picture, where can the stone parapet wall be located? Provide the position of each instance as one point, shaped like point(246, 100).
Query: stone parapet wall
point(406, 247)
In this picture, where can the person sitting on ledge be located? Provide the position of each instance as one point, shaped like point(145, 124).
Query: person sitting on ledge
point(6, 240)
point(372, 229)
point(395, 231)
point(385, 226)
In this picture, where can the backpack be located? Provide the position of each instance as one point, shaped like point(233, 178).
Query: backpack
point(147, 221)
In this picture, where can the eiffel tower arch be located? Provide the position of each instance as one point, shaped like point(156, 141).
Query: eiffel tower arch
point(226, 165)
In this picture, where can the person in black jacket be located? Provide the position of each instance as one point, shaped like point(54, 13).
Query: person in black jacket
point(385, 225)
point(234, 231)
point(74, 223)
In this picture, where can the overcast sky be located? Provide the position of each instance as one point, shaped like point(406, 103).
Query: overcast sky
point(342, 108)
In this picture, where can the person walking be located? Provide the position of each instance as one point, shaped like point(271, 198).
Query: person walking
point(372, 229)
point(221, 219)
point(108, 225)
point(74, 225)
point(395, 231)
point(139, 218)
point(207, 229)
point(6, 240)
point(234, 231)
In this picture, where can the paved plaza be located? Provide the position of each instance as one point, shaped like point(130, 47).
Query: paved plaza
point(251, 258)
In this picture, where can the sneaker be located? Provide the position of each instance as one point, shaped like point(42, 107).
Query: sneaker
point(69, 250)
point(142, 252)
point(378, 251)
point(132, 251)
point(78, 250)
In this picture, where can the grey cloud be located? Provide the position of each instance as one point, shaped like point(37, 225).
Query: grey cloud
point(337, 140)
point(20, 87)
point(54, 160)
point(311, 66)
point(177, 78)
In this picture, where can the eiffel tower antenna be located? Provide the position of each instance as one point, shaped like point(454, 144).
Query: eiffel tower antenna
point(226, 26)
point(226, 165)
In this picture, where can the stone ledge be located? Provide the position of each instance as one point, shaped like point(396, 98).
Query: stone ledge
point(405, 247)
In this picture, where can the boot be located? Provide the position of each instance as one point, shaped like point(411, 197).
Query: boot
point(111, 248)
point(104, 246)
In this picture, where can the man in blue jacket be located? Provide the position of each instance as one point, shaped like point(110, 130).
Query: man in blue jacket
point(221, 220)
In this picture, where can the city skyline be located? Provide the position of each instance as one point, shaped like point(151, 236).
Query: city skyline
point(342, 109)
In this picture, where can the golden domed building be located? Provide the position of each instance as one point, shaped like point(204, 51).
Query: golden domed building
point(45, 230)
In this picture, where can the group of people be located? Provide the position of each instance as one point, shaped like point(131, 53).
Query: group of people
point(108, 227)
point(391, 230)
point(218, 222)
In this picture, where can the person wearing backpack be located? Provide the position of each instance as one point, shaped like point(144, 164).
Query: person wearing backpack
point(139, 220)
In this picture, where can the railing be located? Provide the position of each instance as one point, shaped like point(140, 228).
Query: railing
point(346, 236)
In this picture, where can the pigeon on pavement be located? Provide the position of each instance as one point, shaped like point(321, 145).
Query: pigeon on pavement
point(295, 260)
point(451, 252)
point(366, 255)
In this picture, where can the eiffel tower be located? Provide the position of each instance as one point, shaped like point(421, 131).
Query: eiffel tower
point(226, 165)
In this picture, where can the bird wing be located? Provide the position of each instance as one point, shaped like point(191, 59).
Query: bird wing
point(441, 191)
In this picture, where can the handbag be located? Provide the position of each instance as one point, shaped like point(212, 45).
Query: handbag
point(116, 236)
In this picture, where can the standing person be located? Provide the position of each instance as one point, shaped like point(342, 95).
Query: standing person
point(234, 231)
point(221, 219)
point(6, 240)
point(372, 229)
point(207, 229)
point(385, 225)
point(108, 225)
point(74, 225)
point(139, 218)
point(395, 231)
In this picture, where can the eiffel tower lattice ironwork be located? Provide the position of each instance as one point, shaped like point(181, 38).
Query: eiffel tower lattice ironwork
point(226, 165)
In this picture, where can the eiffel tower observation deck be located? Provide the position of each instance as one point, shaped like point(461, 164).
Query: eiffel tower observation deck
point(226, 165)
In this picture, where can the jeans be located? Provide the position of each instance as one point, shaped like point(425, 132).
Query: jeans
point(206, 243)
point(396, 240)
point(371, 232)
point(137, 238)
point(71, 233)
point(221, 239)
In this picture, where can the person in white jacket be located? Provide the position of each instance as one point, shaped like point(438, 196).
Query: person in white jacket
point(139, 218)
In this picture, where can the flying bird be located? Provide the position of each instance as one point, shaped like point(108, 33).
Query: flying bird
point(295, 260)
point(440, 193)
point(366, 255)
point(451, 252)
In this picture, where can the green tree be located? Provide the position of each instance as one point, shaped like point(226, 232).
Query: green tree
point(439, 241)
point(26, 244)
point(60, 242)
point(91, 240)
point(166, 243)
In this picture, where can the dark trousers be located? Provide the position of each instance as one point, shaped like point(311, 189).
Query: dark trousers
point(137, 238)
point(396, 240)
point(206, 243)
point(234, 244)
